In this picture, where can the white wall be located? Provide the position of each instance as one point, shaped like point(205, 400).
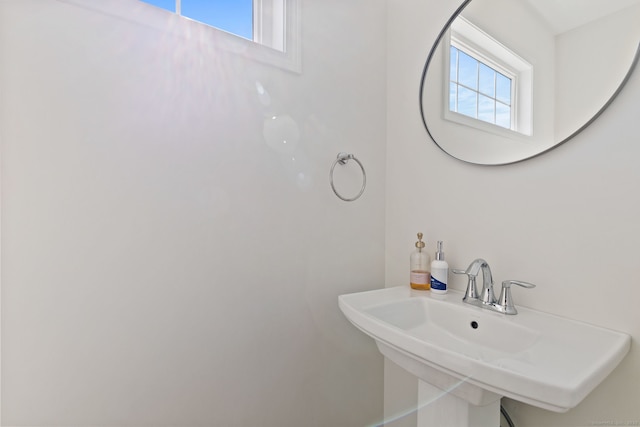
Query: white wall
point(566, 221)
point(613, 39)
point(161, 264)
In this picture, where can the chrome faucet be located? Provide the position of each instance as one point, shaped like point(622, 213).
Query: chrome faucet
point(487, 299)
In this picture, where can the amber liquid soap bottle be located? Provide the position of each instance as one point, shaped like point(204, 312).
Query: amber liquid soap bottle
point(420, 263)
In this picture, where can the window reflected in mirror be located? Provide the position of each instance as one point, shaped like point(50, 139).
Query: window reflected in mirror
point(477, 90)
point(489, 86)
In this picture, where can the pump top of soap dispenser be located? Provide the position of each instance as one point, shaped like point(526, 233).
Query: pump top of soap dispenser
point(420, 243)
point(439, 253)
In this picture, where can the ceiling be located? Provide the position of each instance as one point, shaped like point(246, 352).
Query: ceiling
point(565, 15)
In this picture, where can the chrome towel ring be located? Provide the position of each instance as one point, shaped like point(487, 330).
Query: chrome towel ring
point(342, 159)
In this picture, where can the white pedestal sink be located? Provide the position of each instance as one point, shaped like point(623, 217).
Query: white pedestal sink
point(467, 358)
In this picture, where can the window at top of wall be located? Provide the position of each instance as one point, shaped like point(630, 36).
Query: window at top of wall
point(267, 31)
point(262, 21)
point(488, 86)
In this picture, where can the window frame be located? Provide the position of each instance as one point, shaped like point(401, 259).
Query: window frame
point(148, 15)
point(471, 40)
point(270, 23)
point(480, 59)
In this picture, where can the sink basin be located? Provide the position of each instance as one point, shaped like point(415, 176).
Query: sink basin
point(533, 357)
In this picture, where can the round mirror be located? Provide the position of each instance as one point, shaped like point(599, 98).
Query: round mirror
point(508, 80)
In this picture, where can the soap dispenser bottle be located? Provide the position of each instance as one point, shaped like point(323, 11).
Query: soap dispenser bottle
point(439, 272)
point(420, 264)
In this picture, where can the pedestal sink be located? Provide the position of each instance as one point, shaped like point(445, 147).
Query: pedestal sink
point(467, 358)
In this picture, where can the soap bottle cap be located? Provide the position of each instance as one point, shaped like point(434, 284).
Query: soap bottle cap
point(419, 243)
point(439, 253)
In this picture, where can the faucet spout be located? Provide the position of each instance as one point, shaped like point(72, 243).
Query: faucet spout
point(487, 295)
point(471, 295)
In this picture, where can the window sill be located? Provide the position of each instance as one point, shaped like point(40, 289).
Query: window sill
point(471, 122)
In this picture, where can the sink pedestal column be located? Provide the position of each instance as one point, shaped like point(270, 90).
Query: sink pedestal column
point(440, 408)
point(451, 402)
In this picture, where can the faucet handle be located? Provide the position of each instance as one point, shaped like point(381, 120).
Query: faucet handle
point(472, 291)
point(506, 300)
point(508, 283)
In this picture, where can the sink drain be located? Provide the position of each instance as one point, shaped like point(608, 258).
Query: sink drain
point(474, 324)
